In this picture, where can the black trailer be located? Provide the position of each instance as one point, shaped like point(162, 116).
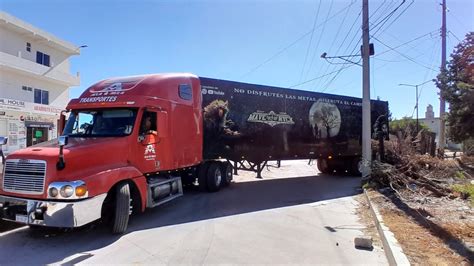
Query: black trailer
point(256, 124)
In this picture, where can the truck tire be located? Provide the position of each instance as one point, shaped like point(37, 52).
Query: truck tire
point(227, 172)
point(214, 177)
point(202, 176)
point(323, 166)
point(122, 208)
point(356, 166)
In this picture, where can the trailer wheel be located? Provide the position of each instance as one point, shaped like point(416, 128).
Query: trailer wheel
point(227, 171)
point(356, 166)
point(323, 166)
point(122, 208)
point(214, 177)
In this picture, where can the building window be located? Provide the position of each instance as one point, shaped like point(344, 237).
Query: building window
point(185, 92)
point(25, 88)
point(42, 58)
point(28, 47)
point(41, 96)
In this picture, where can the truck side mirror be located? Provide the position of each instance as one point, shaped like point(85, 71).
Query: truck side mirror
point(3, 140)
point(61, 123)
point(62, 140)
point(162, 122)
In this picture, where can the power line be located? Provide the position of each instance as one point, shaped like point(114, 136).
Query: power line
point(311, 39)
point(407, 42)
point(343, 41)
point(345, 51)
point(452, 33)
point(407, 57)
point(393, 21)
point(381, 23)
point(383, 12)
point(295, 42)
point(309, 80)
point(319, 40)
point(375, 12)
point(457, 20)
point(387, 18)
point(341, 69)
point(276, 54)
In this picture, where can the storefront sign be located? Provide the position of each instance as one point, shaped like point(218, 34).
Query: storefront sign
point(11, 104)
point(47, 109)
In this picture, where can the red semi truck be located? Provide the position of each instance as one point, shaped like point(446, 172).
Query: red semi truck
point(132, 143)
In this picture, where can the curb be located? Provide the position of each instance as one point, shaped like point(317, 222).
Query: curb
point(392, 248)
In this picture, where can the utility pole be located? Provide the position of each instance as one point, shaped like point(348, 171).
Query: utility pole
point(366, 124)
point(442, 102)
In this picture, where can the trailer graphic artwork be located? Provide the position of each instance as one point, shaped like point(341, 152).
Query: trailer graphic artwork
point(325, 119)
point(270, 118)
point(217, 128)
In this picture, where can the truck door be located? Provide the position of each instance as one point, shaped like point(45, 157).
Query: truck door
point(148, 160)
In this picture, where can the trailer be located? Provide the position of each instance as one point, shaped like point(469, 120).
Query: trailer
point(133, 143)
point(260, 123)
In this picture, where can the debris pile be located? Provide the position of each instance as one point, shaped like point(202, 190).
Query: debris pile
point(404, 169)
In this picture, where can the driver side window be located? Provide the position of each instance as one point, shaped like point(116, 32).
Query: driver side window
point(148, 123)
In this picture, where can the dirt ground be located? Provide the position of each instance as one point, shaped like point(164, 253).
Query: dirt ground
point(431, 231)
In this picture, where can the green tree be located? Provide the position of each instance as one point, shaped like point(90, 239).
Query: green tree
point(406, 125)
point(459, 90)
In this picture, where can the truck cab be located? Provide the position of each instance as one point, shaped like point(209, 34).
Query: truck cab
point(126, 145)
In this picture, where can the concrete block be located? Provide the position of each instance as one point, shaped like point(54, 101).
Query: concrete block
point(363, 242)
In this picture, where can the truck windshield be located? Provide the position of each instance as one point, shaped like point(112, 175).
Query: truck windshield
point(100, 123)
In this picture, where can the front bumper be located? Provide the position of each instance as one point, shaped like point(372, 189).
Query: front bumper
point(51, 213)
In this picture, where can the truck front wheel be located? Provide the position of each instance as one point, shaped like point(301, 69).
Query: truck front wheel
point(122, 208)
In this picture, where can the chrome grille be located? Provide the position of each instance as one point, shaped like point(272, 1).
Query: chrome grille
point(24, 176)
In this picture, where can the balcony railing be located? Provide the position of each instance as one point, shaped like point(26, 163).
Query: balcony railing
point(16, 63)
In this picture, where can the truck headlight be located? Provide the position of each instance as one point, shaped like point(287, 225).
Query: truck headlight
point(66, 191)
point(53, 192)
point(81, 191)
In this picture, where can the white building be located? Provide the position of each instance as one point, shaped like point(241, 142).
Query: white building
point(34, 82)
point(433, 123)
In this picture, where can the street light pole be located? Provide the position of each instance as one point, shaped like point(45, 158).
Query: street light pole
point(417, 96)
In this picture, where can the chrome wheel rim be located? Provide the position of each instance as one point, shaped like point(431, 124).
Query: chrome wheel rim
point(218, 177)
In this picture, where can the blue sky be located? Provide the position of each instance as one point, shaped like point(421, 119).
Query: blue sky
point(246, 40)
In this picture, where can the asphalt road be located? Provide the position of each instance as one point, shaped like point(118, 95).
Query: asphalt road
point(293, 215)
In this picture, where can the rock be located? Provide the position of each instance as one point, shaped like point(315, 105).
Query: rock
point(363, 242)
